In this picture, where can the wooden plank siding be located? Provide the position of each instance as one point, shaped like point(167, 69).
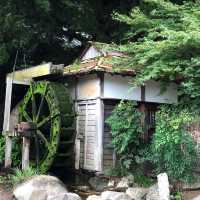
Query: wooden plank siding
point(87, 128)
point(108, 152)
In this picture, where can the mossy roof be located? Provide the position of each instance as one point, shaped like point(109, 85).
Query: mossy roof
point(104, 63)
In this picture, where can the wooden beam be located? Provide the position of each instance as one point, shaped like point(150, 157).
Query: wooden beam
point(77, 141)
point(32, 72)
point(6, 122)
point(25, 153)
point(26, 75)
point(100, 132)
point(143, 93)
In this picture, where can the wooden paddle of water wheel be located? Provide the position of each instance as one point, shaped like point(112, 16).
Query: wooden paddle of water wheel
point(48, 106)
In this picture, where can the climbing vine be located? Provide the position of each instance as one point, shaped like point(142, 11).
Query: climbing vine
point(172, 148)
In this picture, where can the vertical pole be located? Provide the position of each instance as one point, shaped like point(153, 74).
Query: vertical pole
point(6, 122)
point(77, 140)
point(100, 123)
point(25, 153)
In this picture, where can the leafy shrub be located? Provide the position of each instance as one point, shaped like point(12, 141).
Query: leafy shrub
point(2, 149)
point(143, 181)
point(178, 196)
point(126, 130)
point(117, 171)
point(16, 151)
point(173, 149)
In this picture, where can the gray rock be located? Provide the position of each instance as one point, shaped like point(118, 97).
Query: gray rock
point(153, 193)
point(196, 198)
point(111, 183)
point(39, 188)
point(163, 186)
point(137, 193)
point(110, 195)
point(98, 183)
point(64, 196)
point(193, 186)
point(83, 188)
point(94, 197)
point(126, 182)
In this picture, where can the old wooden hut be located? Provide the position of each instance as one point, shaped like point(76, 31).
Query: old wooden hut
point(96, 87)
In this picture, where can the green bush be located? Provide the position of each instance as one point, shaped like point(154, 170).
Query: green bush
point(173, 149)
point(142, 180)
point(117, 171)
point(16, 151)
point(126, 130)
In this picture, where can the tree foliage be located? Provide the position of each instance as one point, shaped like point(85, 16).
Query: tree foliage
point(163, 41)
point(56, 31)
point(42, 29)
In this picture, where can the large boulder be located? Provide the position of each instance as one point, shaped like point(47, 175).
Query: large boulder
point(111, 195)
point(153, 193)
point(98, 183)
point(43, 187)
point(196, 198)
point(64, 196)
point(137, 193)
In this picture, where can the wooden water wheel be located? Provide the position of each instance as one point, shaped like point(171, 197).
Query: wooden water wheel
point(48, 106)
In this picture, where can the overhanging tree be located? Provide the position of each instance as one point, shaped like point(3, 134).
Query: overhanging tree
point(163, 41)
point(56, 31)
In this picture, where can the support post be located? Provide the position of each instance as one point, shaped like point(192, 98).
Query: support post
point(26, 130)
point(25, 153)
point(6, 122)
point(100, 124)
point(77, 139)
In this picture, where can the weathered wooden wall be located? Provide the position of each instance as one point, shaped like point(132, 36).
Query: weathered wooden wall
point(87, 134)
point(108, 151)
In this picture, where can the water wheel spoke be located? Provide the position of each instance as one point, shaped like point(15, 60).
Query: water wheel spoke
point(33, 104)
point(45, 120)
point(26, 116)
point(41, 103)
point(41, 136)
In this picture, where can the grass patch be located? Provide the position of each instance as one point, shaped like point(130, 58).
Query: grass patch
point(22, 175)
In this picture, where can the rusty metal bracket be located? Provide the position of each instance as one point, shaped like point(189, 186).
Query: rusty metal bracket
point(26, 129)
